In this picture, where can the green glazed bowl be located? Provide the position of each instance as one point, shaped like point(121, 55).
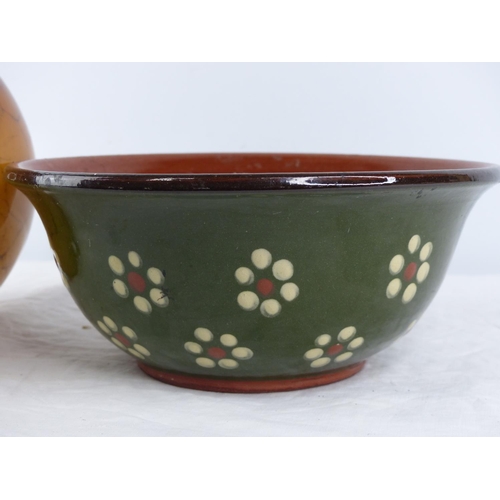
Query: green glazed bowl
point(252, 272)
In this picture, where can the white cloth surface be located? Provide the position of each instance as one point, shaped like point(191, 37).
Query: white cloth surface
point(59, 377)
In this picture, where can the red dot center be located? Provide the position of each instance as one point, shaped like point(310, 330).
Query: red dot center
point(136, 281)
point(124, 340)
point(265, 287)
point(334, 349)
point(410, 271)
point(216, 353)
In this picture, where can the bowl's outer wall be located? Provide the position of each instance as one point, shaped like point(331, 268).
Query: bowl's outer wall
point(15, 210)
point(340, 242)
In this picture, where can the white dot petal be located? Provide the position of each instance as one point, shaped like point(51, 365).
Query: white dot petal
point(193, 347)
point(228, 364)
point(64, 280)
point(244, 276)
point(314, 353)
point(346, 334)
point(289, 291)
point(203, 334)
point(323, 340)
point(248, 301)
point(228, 340)
point(120, 288)
point(396, 265)
point(110, 323)
point(116, 265)
point(128, 332)
point(156, 276)
point(135, 353)
point(270, 308)
point(409, 293)
point(261, 258)
point(423, 272)
point(283, 270)
point(142, 305)
point(426, 251)
point(343, 357)
point(354, 344)
point(411, 325)
point(119, 344)
point(318, 363)
point(205, 362)
point(142, 350)
point(242, 353)
point(393, 288)
point(135, 259)
point(414, 243)
point(104, 328)
point(158, 297)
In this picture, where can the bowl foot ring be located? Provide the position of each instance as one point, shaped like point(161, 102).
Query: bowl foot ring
point(251, 385)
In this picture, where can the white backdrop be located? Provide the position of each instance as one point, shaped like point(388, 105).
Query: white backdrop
point(430, 110)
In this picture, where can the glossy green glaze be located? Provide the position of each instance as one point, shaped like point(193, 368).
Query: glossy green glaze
point(188, 246)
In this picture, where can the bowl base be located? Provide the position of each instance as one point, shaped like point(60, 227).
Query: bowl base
point(249, 386)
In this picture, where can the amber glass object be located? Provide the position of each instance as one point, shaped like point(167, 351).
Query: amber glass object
point(15, 210)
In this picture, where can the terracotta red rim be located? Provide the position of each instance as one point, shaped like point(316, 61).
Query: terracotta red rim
point(248, 385)
point(243, 172)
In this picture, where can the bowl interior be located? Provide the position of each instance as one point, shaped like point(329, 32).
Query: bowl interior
point(244, 163)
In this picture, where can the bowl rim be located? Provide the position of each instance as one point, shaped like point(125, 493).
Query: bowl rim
point(244, 171)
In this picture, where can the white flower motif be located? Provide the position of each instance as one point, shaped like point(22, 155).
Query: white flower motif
point(321, 355)
point(282, 270)
point(138, 284)
point(412, 271)
point(125, 338)
point(226, 357)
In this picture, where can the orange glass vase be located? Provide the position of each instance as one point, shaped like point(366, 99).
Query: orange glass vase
point(15, 210)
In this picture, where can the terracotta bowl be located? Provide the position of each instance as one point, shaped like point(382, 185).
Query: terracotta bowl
point(15, 210)
point(252, 272)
